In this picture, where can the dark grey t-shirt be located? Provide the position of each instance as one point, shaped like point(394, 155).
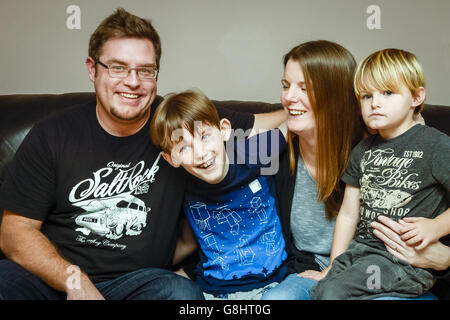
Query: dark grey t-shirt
point(408, 175)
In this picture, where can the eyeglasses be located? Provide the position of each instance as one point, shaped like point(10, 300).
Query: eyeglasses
point(121, 71)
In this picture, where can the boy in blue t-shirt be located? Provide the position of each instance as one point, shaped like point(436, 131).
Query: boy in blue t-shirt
point(229, 203)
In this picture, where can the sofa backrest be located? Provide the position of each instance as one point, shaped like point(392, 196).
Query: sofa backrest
point(20, 112)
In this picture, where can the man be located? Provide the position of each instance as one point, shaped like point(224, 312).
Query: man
point(90, 210)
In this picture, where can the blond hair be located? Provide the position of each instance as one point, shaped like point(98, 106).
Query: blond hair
point(388, 70)
point(179, 111)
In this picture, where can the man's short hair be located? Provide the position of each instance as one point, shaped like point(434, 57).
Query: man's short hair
point(122, 24)
point(181, 111)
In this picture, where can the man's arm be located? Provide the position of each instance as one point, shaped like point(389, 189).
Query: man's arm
point(267, 121)
point(22, 241)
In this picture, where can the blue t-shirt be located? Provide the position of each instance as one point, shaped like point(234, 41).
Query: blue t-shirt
point(236, 221)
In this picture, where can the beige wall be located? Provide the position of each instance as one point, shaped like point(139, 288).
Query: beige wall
point(230, 49)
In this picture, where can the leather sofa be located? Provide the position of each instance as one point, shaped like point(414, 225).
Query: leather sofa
point(19, 112)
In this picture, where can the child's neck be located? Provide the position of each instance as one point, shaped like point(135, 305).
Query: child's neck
point(390, 133)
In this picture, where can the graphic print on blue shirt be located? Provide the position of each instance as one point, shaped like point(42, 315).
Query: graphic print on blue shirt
point(240, 234)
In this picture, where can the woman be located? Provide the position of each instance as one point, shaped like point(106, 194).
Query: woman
point(324, 125)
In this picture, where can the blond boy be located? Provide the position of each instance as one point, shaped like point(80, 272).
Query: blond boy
point(401, 172)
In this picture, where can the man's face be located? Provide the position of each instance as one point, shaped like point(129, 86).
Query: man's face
point(123, 102)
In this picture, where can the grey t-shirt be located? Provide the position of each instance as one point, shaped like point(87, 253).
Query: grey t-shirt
point(408, 175)
point(311, 230)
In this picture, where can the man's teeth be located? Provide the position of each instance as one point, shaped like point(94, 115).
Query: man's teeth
point(296, 112)
point(129, 95)
point(207, 164)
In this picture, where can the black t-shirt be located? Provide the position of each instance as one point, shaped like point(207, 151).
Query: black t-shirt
point(109, 204)
point(404, 176)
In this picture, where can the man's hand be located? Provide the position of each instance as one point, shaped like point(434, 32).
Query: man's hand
point(23, 242)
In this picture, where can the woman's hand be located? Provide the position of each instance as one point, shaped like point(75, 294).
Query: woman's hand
point(435, 255)
point(315, 275)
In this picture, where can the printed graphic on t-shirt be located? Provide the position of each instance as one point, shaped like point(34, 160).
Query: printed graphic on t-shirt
point(239, 234)
point(112, 207)
point(387, 185)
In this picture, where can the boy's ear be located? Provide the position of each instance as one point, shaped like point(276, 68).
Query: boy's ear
point(225, 129)
point(419, 96)
point(169, 159)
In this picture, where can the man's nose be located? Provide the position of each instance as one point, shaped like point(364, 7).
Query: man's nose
point(132, 79)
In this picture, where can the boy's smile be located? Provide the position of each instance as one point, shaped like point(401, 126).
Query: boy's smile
point(203, 154)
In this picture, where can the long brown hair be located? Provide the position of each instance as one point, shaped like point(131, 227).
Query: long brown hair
point(328, 69)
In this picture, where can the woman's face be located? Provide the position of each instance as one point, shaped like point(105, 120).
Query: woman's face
point(295, 100)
